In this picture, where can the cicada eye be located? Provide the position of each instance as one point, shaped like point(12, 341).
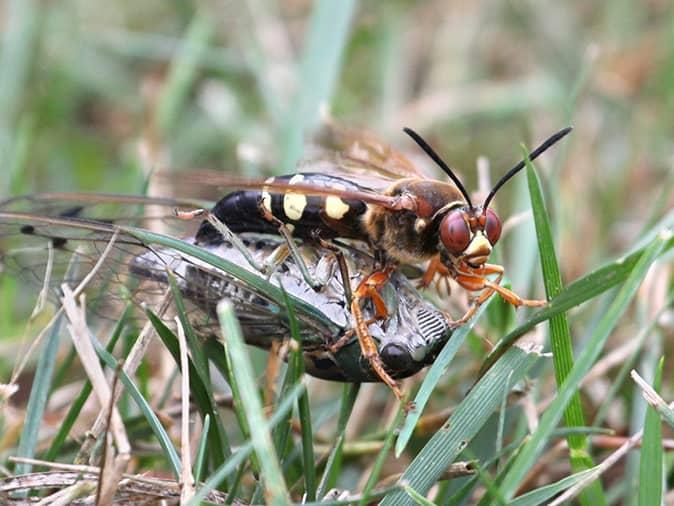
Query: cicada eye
point(396, 358)
point(492, 227)
point(455, 232)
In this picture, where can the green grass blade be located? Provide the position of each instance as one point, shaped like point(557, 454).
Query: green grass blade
point(203, 396)
point(543, 495)
point(308, 457)
point(381, 457)
point(184, 71)
point(276, 491)
point(319, 69)
point(417, 497)
point(155, 425)
point(200, 458)
point(196, 349)
point(651, 461)
point(435, 373)
point(235, 461)
point(333, 466)
point(560, 336)
point(37, 401)
point(252, 281)
point(466, 421)
point(586, 359)
point(292, 376)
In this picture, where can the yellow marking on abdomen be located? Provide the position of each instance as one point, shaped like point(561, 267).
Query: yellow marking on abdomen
point(335, 207)
point(266, 197)
point(294, 203)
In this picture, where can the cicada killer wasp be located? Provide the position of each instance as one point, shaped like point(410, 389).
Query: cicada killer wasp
point(367, 191)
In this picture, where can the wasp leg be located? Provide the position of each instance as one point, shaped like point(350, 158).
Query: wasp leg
point(225, 232)
point(435, 266)
point(368, 289)
point(294, 252)
point(475, 281)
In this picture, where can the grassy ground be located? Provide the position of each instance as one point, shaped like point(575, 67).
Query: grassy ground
point(96, 95)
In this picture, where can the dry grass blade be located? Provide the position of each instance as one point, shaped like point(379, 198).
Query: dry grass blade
point(131, 488)
point(187, 479)
point(89, 359)
point(130, 365)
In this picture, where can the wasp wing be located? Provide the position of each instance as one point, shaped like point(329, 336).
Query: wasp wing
point(361, 149)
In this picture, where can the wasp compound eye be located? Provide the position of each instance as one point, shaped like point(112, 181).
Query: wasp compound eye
point(493, 227)
point(395, 357)
point(455, 232)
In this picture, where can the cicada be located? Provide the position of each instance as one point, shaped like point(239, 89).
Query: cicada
point(364, 190)
point(137, 269)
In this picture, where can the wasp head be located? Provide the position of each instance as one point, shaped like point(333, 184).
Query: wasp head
point(468, 233)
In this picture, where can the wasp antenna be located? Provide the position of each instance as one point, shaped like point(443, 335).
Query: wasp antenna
point(436, 158)
point(549, 142)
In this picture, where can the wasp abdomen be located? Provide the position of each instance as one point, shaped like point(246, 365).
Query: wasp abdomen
point(305, 215)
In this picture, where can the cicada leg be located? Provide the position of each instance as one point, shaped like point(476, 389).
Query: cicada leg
point(475, 280)
point(343, 267)
point(294, 252)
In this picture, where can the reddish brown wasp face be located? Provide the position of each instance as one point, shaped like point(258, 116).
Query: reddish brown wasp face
point(470, 234)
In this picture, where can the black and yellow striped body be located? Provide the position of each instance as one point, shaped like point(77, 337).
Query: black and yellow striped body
point(305, 216)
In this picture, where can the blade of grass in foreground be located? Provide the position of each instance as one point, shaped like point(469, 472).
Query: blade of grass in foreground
point(244, 451)
point(435, 372)
point(466, 421)
point(560, 336)
point(544, 494)
point(293, 377)
point(650, 463)
point(257, 282)
point(333, 466)
point(200, 459)
point(531, 450)
point(275, 487)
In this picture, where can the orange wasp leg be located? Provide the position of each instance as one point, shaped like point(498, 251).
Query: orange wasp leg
point(368, 288)
point(475, 281)
point(435, 266)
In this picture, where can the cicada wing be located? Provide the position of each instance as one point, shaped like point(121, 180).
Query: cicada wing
point(120, 267)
